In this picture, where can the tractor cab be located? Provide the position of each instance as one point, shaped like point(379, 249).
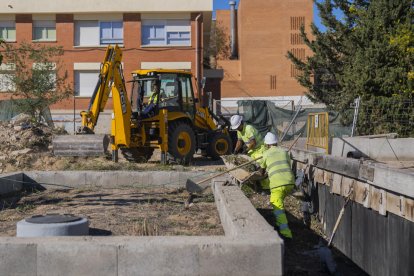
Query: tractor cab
point(153, 90)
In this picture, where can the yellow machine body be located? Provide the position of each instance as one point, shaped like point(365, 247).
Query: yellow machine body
point(174, 122)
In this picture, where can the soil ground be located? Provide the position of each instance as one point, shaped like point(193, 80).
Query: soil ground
point(143, 212)
point(118, 211)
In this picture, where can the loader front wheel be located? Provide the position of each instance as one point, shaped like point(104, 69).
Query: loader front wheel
point(219, 144)
point(181, 142)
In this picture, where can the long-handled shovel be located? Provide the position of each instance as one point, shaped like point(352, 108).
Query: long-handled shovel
point(193, 187)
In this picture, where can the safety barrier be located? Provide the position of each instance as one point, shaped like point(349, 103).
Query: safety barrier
point(318, 131)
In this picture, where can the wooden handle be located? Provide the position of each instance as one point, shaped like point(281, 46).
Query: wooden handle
point(294, 142)
point(242, 165)
point(232, 169)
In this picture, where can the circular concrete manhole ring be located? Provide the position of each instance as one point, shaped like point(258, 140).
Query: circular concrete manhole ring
point(52, 225)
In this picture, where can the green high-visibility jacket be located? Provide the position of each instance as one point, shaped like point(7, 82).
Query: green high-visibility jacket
point(249, 133)
point(276, 161)
point(153, 98)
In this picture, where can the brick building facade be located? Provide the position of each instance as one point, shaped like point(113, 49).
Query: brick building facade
point(167, 34)
point(266, 31)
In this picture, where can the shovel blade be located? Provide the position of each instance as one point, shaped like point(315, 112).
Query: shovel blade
point(193, 187)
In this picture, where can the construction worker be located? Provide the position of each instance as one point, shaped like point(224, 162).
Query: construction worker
point(249, 136)
point(152, 101)
point(276, 162)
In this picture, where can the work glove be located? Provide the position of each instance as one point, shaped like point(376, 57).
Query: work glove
point(245, 150)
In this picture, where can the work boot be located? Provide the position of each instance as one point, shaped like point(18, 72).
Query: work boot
point(287, 241)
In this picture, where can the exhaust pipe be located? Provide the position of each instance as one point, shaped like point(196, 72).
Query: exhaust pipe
point(233, 29)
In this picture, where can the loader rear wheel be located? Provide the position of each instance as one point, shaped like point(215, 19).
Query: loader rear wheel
point(219, 144)
point(137, 155)
point(181, 142)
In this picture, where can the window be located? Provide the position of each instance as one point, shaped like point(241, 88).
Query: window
point(85, 82)
point(44, 30)
point(44, 74)
point(86, 33)
point(6, 83)
point(166, 32)
point(8, 30)
point(273, 82)
point(296, 22)
point(6, 77)
point(187, 95)
point(153, 35)
point(111, 32)
point(95, 33)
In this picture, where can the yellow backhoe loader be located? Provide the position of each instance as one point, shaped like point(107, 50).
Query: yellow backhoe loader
point(161, 112)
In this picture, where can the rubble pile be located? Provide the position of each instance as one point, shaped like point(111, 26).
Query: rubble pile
point(237, 160)
point(20, 138)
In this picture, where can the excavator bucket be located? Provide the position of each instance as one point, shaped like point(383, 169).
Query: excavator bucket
point(80, 145)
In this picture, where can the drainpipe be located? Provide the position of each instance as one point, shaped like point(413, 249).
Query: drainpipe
point(233, 29)
point(197, 55)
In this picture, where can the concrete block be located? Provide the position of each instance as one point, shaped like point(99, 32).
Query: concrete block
point(398, 181)
point(158, 256)
point(131, 178)
point(257, 257)
point(348, 167)
point(71, 178)
point(165, 178)
point(18, 259)
point(237, 214)
point(42, 178)
point(102, 179)
point(380, 149)
point(76, 258)
point(12, 182)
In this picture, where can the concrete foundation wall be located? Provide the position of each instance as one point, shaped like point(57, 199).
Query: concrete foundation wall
point(11, 182)
point(76, 179)
point(381, 245)
point(249, 246)
point(380, 149)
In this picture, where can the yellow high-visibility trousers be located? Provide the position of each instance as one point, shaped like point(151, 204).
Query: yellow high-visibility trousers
point(277, 196)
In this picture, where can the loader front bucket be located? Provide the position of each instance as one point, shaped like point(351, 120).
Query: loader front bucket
point(80, 145)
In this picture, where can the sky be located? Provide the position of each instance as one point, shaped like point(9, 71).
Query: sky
point(224, 4)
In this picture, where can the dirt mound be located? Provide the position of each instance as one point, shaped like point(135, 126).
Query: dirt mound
point(20, 138)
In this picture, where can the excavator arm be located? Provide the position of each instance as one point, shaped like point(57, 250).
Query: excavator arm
point(111, 79)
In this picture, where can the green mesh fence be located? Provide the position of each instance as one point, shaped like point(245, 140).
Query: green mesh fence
point(266, 116)
point(10, 109)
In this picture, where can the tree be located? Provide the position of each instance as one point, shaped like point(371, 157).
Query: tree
point(38, 80)
point(219, 47)
point(367, 53)
point(1, 56)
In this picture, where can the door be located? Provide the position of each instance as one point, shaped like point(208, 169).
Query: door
point(187, 95)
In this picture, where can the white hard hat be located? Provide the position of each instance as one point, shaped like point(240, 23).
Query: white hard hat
point(270, 139)
point(235, 121)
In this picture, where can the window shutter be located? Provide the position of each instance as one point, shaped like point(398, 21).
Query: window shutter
point(85, 82)
point(87, 33)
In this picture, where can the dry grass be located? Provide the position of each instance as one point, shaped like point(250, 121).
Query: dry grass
point(134, 212)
